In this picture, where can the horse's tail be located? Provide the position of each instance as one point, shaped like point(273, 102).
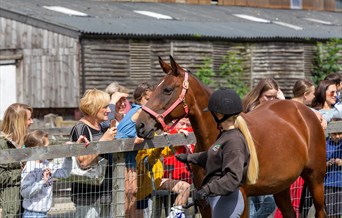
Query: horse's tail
point(253, 168)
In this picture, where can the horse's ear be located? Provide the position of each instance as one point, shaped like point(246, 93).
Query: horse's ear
point(166, 67)
point(174, 65)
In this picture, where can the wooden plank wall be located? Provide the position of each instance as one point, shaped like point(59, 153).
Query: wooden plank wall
point(105, 61)
point(48, 72)
point(281, 61)
point(132, 61)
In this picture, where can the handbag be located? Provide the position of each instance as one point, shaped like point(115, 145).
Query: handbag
point(92, 175)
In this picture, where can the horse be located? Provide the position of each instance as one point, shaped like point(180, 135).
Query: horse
point(289, 140)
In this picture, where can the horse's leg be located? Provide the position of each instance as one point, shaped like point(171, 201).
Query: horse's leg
point(283, 201)
point(317, 192)
point(315, 183)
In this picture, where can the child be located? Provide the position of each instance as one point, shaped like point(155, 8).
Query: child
point(36, 177)
point(333, 178)
point(180, 171)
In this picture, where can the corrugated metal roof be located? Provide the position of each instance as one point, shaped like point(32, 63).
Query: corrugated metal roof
point(189, 21)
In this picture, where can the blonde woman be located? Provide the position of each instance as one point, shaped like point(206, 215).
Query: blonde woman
point(230, 161)
point(93, 201)
point(15, 124)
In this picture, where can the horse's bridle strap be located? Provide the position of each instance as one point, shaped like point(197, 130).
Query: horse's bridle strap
point(181, 99)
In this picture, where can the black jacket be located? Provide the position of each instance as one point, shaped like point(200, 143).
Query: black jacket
point(225, 162)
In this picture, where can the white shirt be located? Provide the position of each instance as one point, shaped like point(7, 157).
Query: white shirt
point(37, 193)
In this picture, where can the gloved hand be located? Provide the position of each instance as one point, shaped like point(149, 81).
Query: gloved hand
point(200, 195)
point(182, 158)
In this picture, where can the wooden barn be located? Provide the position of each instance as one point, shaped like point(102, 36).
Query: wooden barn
point(51, 51)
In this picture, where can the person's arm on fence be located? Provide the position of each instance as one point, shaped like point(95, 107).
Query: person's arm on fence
point(87, 160)
point(61, 167)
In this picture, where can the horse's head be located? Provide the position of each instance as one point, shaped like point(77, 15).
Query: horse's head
point(167, 102)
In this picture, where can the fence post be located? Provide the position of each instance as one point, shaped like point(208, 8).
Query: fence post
point(118, 185)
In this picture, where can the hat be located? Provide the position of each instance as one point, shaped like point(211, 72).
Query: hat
point(334, 127)
point(225, 101)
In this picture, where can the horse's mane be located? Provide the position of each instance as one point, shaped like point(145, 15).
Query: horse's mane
point(205, 87)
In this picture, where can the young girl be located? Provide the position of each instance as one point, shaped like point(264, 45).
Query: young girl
point(230, 162)
point(36, 177)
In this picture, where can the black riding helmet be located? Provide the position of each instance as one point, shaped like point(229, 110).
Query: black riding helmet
point(224, 101)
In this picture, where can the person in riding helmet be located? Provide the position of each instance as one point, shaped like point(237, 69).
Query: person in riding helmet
point(230, 162)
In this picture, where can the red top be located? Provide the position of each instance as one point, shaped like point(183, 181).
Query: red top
point(180, 171)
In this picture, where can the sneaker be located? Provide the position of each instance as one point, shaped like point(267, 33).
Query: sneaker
point(176, 212)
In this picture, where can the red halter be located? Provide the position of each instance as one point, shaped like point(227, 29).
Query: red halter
point(181, 99)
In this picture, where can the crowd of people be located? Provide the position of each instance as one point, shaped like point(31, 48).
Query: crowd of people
point(108, 115)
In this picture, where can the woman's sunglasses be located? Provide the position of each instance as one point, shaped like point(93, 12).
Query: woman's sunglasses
point(332, 93)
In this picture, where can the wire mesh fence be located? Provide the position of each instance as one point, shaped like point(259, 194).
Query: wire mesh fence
point(43, 185)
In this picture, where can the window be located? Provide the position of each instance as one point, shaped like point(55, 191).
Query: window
point(296, 4)
point(8, 86)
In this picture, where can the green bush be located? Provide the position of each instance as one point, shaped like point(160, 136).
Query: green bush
point(206, 73)
point(326, 59)
point(231, 72)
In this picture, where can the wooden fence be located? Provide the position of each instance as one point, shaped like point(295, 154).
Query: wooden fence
point(117, 147)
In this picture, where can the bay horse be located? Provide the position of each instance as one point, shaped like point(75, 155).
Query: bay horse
point(288, 137)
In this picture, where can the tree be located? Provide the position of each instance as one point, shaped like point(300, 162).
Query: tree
point(206, 73)
point(231, 72)
point(326, 60)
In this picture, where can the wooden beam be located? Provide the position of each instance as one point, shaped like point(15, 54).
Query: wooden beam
point(115, 146)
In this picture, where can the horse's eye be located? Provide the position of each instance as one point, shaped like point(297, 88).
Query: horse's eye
point(168, 90)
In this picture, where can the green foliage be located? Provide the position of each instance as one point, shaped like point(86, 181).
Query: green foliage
point(326, 59)
point(231, 72)
point(206, 73)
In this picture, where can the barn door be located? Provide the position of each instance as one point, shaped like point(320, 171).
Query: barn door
point(8, 87)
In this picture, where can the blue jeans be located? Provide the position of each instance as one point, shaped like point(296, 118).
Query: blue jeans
point(261, 206)
point(34, 214)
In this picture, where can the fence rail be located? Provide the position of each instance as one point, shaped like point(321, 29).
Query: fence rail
point(115, 146)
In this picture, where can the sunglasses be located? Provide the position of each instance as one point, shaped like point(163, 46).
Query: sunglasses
point(332, 93)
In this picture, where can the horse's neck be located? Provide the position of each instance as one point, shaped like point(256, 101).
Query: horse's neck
point(203, 124)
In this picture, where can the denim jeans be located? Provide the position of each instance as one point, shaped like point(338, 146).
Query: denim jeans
point(261, 206)
point(34, 214)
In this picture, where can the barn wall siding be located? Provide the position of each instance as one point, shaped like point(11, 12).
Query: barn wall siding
point(281, 61)
point(48, 71)
point(132, 61)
